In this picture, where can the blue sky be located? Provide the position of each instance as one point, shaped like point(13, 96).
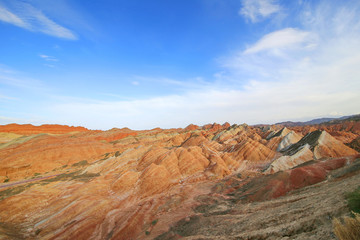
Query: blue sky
point(146, 64)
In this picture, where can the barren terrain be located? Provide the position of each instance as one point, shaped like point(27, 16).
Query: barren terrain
point(201, 182)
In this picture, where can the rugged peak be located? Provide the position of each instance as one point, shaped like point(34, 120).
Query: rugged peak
point(288, 140)
point(281, 133)
point(194, 140)
point(226, 125)
point(191, 127)
point(311, 139)
point(322, 144)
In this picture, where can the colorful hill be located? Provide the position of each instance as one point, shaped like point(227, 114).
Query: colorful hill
point(60, 182)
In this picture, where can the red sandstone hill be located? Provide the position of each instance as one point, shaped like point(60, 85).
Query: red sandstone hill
point(27, 129)
point(125, 184)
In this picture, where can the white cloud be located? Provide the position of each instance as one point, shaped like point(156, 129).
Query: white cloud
point(190, 83)
point(9, 17)
point(168, 111)
point(12, 78)
point(264, 88)
point(256, 10)
point(282, 39)
point(317, 85)
point(317, 75)
point(257, 102)
point(48, 58)
point(6, 98)
point(28, 17)
point(317, 72)
point(7, 120)
point(5, 69)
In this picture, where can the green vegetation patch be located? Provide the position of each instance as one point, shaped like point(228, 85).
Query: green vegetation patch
point(11, 231)
point(353, 200)
point(110, 234)
point(14, 191)
point(85, 177)
point(80, 164)
point(37, 232)
point(106, 155)
point(354, 144)
point(76, 176)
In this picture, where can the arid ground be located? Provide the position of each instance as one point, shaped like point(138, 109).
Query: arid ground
point(201, 182)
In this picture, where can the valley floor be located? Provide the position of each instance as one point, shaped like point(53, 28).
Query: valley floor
point(305, 213)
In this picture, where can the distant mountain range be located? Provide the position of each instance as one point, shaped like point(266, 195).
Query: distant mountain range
point(321, 121)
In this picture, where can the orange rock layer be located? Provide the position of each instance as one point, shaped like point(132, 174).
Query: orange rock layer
point(124, 184)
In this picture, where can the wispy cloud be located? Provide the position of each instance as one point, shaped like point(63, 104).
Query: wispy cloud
point(167, 111)
point(256, 10)
point(48, 58)
point(6, 120)
point(6, 98)
point(12, 78)
point(306, 71)
point(257, 103)
point(191, 83)
point(49, 65)
point(5, 69)
point(304, 68)
point(9, 17)
point(26, 16)
point(283, 39)
point(315, 75)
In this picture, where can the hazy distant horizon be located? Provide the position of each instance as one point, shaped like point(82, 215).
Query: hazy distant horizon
point(183, 126)
point(148, 64)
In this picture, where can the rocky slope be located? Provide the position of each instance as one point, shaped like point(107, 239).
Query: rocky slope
point(294, 204)
point(125, 184)
point(315, 145)
point(355, 144)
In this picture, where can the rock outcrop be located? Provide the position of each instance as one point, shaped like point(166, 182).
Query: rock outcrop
point(304, 154)
point(355, 144)
point(289, 139)
point(315, 145)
